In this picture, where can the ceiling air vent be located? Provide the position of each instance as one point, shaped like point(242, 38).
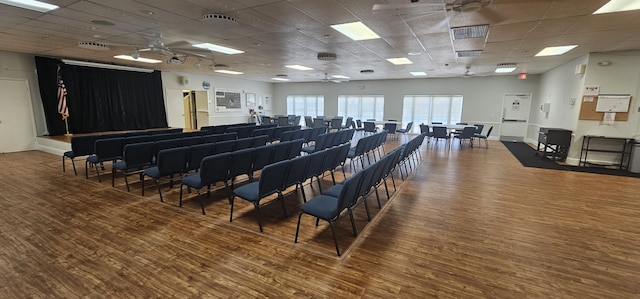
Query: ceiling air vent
point(470, 53)
point(219, 20)
point(366, 71)
point(470, 31)
point(326, 56)
point(93, 46)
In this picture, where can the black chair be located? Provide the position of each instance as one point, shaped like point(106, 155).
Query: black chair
point(135, 158)
point(244, 143)
point(370, 127)
point(170, 162)
point(263, 156)
point(441, 133)
point(80, 146)
point(241, 164)
point(479, 128)
point(270, 182)
point(391, 129)
point(329, 208)
point(484, 137)
point(336, 124)
point(295, 148)
point(197, 153)
point(316, 166)
point(260, 140)
point(319, 123)
point(297, 174)
point(213, 169)
point(358, 126)
point(283, 121)
point(308, 121)
point(407, 130)
point(349, 124)
point(225, 146)
point(424, 129)
point(105, 150)
point(466, 134)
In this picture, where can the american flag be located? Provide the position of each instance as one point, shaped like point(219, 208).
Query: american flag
point(62, 97)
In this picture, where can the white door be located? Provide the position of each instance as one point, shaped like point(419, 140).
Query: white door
point(202, 108)
point(515, 117)
point(17, 128)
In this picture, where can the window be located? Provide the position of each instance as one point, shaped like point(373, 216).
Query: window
point(305, 105)
point(431, 108)
point(361, 106)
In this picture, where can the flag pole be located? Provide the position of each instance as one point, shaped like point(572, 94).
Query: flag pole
point(66, 125)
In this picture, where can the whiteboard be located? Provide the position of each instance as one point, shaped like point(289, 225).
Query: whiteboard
point(613, 103)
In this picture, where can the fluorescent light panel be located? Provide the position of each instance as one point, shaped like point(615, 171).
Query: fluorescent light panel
point(30, 5)
point(218, 48)
point(618, 6)
point(140, 59)
point(280, 79)
point(552, 51)
point(229, 72)
point(356, 31)
point(502, 70)
point(470, 31)
point(400, 60)
point(418, 73)
point(339, 77)
point(106, 66)
point(299, 67)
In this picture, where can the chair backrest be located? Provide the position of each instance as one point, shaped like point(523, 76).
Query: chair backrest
point(317, 162)
point(462, 124)
point(263, 156)
point(225, 146)
point(172, 161)
point(259, 140)
point(138, 154)
point(489, 132)
point(409, 126)
point(390, 128)
point(271, 178)
point(308, 121)
point(130, 139)
point(281, 151)
point(197, 153)
point(359, 123)
point(440, 132)
point(369, 126)
point(467, 133)
point(318, 123)
point(287, 136)
point(266, 119)
point(296, 121)
point(342, 153)
point(349, 193)
point(83, 145)
point(424, 129)
point(479, 128)
point(298, 168)
point(242, 162)
point(295, 147)
point(436, 122)
point(188, 141)
point(215, 168)
point(283, 121)
point(336, 123)
point(243, 143)
point(109, 148)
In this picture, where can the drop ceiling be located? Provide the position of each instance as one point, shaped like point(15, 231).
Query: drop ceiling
point(275, 33)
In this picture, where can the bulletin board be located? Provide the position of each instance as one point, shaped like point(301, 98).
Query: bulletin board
point(228, 100)
point(589, 107)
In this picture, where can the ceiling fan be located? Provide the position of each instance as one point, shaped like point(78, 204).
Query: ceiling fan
point(334, 78)
point(455, 6)
point(468, 73)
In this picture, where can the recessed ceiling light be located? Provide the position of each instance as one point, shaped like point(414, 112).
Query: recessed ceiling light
point(414, 53)
point(339, 77)
point(218, 48)
point(280, 79)
point(618, 6)
point(356, 31)
point(400, 60)
point(229, 72)
point(140, 59)
point(30, 5)
point(551, 51)
point(418, 73)
point(506, 68)
point(298, 67)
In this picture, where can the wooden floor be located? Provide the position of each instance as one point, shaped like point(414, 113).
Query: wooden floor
point(468, 223)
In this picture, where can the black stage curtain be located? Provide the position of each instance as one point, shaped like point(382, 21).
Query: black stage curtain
point(101, 99)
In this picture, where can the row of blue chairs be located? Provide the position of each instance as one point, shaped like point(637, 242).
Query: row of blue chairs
point(347, 195)
point(328, 140)
point(409, 152)
point(227, 128)
point(366, 145)
point(112, 149)
point(83, 145)
point(274, 132)
point(138, 156)
point(275, 178)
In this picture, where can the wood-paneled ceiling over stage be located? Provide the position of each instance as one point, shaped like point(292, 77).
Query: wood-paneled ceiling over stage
point(276, 33)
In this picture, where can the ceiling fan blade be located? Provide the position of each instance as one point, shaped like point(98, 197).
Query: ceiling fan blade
point(405, 6)
point(178, 44)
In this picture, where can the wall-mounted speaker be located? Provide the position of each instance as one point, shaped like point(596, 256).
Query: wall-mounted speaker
point(184, 80)
point(580, 69)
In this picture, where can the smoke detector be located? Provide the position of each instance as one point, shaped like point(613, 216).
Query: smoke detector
point(326, 56)
point(93, 46)
point(219, 20)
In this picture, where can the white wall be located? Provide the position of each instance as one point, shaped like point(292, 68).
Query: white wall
point(173, 86)
point(23, 66)
point(482, 95)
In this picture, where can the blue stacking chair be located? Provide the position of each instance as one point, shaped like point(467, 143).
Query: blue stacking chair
point(170, 162)
point(135, 158)
point(270, 182)
point(108, 149)
point(80, 146)
point(213, 169)
point(329, 208)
